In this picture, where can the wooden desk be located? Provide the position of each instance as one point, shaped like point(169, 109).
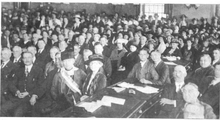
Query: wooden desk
point(135, 106)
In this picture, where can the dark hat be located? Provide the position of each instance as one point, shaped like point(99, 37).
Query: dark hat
point(183, 16)
point(175, 41)
point(194, 19)
point(67, 55)
point(95, 57)
point(132, 43)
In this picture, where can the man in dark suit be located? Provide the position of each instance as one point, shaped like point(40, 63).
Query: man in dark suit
point(16, 58)
point(161, 68)
point(211, 94)
point(39, 63)
point(51, 65)
point(43, 53)
point(78, 57)
point(144, 71)
point(26, 86)
point(107, 66)
point(7, 69)
point(172, 99)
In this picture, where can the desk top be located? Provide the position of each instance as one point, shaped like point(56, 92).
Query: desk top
point(133, 103)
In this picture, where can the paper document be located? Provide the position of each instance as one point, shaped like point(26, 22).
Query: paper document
point(170, 63)
point(147, 89)
point(90, 106)
point(118, 89)
point(125, 85)
point(110, 99)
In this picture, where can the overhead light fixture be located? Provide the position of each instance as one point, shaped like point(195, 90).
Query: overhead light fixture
point(196, 6)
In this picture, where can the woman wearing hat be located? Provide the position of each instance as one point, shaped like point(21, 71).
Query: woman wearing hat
point(183, 23)
point(205, 25)
point(67, 83)
point(194, 24)
point(96, 79)
point(77, 27)
point(188, 51)
point(215, 23)
point(130, 59)
point(173, 50)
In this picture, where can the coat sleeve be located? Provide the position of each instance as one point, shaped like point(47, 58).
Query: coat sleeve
point(132, 72)
point(54, 87)
point(108, 68)
point(164, 76)
point(154, 74)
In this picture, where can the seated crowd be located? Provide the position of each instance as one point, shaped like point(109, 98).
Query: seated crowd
point(52, 60)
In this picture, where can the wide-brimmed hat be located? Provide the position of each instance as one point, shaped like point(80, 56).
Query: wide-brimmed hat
point(183, 15)
point(67, 55)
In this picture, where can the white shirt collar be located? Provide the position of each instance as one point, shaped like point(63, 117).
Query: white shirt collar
point(17, 59)
point(157, 63)
point(215, 61)
point(29, 67)
point(142, 63)
point(34, 58)
point(5, 63)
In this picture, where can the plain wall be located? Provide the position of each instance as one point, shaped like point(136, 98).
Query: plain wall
point(204, 10)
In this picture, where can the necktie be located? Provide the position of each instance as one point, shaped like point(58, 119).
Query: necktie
point(26, 72)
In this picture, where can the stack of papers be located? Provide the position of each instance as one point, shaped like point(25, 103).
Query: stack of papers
point(146, 89)
point(90, 106)
point(106, 101)
point(125, 85)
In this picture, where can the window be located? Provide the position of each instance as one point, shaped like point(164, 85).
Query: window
point(151, 9)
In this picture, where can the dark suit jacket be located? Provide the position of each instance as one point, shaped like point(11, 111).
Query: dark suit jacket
point(98, 82)
point(19, 63)
point(211, 96)
point(149, 72)
point(129, 60)
point(6, 74)
point(39, 63)
point(163, 72)
point(169, 111)
point(49, 67)
point(79, 62)
point(201, 77)
point(107, 66)
point(32, 83)
point(44, 56)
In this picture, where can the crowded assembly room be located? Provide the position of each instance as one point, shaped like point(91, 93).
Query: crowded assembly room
point(110, 60)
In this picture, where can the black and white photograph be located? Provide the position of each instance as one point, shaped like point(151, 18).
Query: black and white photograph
point(110, 59)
